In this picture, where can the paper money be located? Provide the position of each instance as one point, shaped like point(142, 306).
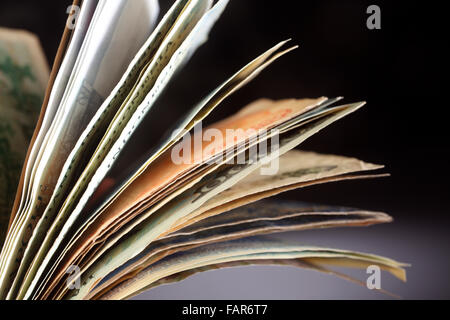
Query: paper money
point(266, 210)
point(253, 248)
point(195, 39)
point(192, 200)
point(322, 265)
point(101, 121)
point(24, 74)
point(180, 276)
point(295, 107)
point(63, 48)
point(190, 15)
point(241, 77)
point(100, 64)
point(295, 167)
point(189, 202)
point(62, 69)
point(260, 218)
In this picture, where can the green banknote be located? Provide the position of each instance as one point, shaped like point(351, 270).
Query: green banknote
point(23, 78)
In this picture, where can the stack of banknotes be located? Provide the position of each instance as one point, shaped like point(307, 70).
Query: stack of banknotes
point(81, 219)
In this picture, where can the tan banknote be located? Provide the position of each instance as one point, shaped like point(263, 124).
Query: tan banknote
point(263, 217)
point(323, 265)
point(254, 248)
point(193, 199)
point(243, 76)
point(91, 136)
point(159, 176)
point(155, 77)
point(295, 169)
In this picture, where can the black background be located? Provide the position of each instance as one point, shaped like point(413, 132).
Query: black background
point(398, 70)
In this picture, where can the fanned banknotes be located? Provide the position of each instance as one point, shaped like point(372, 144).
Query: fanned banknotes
point(89, 222)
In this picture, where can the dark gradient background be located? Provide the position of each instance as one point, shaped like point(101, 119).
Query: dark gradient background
point(404, 126)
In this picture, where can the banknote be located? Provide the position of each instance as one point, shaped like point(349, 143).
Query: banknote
point(106, 51)
point(294, 167)
point(263, 217)
point(192, 200)
point(323, 265)
point(254, 248)
point(197, 114)
point(130, 213)
point(62, 69)
point(159, 176)
point(194, 217)
point(147, 80)
point(273, 111)
point(241, 77)
point(194, 39)
point(24, 74)
point(55, 76)
point(101, 121)
point(268, 210)
point(173, 191)
point(177, 277)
